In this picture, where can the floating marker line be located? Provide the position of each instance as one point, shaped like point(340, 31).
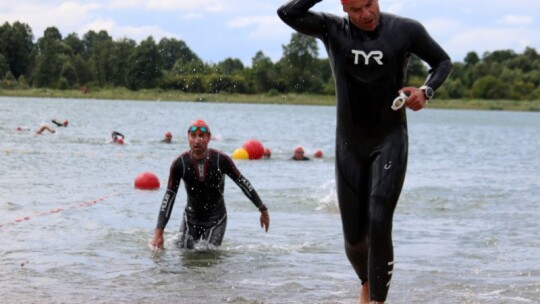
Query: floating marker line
point(56, 210)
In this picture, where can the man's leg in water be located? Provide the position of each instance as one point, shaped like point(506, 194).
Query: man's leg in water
point(387, 177)
point(187, 234)
point(214, 235)
point(353, 205)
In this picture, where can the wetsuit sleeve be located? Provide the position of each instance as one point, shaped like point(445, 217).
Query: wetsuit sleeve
point(228, 167)
point(167, 204)
point(58, 124)
point(297, 15)
point(431, 52)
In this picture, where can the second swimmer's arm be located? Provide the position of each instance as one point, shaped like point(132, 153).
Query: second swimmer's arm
point(167, 203)
point(228, 167)
point(250, 192)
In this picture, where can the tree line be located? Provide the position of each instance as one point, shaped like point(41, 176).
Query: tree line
point(97, 61)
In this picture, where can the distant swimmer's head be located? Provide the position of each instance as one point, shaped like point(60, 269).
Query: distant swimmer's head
point(66, 123)
point(168, 137)
point(120, 141)
point(267, 153)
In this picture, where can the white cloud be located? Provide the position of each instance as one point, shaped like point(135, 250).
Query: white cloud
point(260, 27)
point(443, 26)
point(168, 5)
point(491, 39)
point(395, 8)
point(137, 33)
point(516, 20)
point(66, 16)
point(192, 16)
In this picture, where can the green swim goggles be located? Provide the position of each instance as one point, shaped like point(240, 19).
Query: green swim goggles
point(195, 128)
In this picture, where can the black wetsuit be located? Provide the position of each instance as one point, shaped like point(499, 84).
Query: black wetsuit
point(117, 135)
point(205, 215)
point(371, 139)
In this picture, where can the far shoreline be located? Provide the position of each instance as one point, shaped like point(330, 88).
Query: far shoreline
point(277, 98)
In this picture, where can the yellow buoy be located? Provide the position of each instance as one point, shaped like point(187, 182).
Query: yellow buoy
point(240, 153)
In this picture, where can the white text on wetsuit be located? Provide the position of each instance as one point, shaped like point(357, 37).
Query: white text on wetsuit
point(165, 202)
point(377, 56)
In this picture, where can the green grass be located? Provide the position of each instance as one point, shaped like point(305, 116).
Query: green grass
point(299, 99)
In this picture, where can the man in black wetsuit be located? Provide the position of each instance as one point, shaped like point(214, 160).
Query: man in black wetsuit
point(369, 52)
point(203, 171)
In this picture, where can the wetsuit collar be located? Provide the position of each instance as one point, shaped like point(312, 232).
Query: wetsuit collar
point(206, 154)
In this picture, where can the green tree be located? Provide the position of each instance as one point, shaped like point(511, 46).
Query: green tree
point(75, 43)
point(498, 56)
point(526, 62)
point(520, 90)
point(471, 59)
point(173, 50)
point(16, 44)
point(98, 50)
point(299, 69)
point(192, 67)
point(454, 88)
point(4, 67)
point(230, 66)
point(69, 74)
point(48, 60)
point(262, 73)
point(146, 66)
point(490, 87)
point(121, 53)
point(84, 75)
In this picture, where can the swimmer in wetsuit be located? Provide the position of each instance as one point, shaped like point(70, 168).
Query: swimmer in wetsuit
point(368, 53)
point(203, 171)
point(117, 137)
point(60, 124)
point(299, 154)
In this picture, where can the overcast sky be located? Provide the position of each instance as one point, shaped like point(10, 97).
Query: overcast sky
point(219, 29)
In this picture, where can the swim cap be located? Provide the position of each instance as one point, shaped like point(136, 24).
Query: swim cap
point(200, 125)
point(66, 123)
point(120, 141)
point(343, 1)
point(168, 134)
point(298, 149)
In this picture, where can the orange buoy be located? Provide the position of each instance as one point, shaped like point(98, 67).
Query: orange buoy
point(254, 148)
point(147, 181)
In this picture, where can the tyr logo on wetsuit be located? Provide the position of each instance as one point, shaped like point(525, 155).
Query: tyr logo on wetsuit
point(377, 56)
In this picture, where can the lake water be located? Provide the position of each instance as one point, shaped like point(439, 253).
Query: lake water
point(75, 230)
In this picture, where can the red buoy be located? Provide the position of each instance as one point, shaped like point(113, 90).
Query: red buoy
point(318, 154)
point(254, 148)
point(147, 181)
